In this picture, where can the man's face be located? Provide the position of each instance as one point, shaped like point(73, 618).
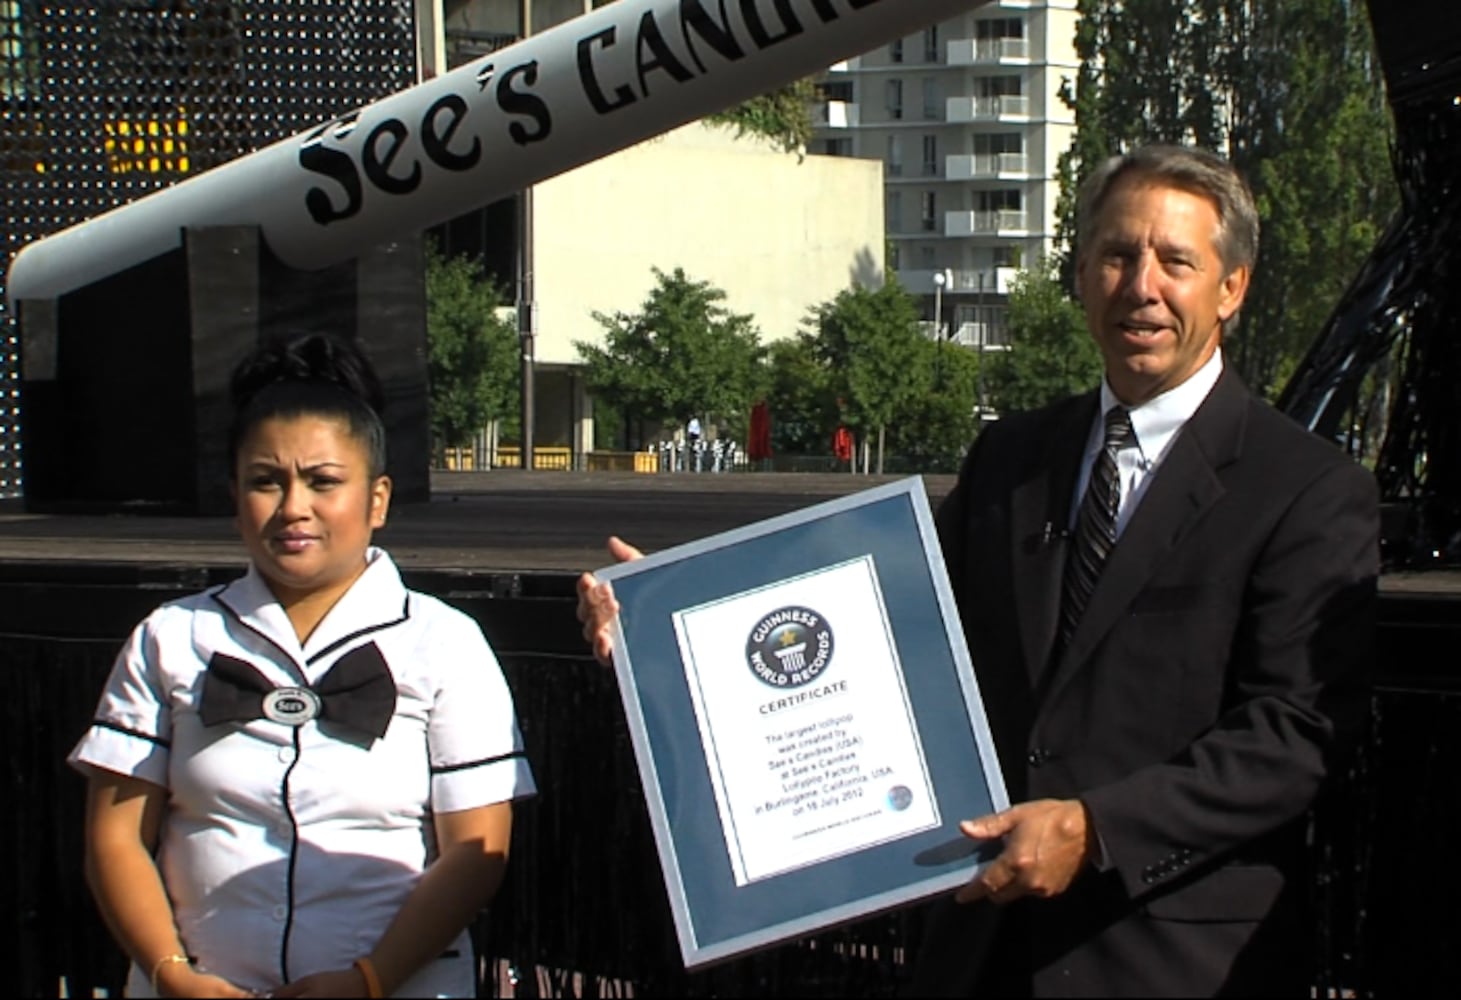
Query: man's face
point(1153, 286)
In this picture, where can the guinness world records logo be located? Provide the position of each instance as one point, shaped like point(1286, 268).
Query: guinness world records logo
point(789, 647)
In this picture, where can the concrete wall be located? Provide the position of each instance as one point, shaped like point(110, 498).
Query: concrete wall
point(776, 233)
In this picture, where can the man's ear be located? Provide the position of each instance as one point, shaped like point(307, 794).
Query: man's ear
point(1232, 291)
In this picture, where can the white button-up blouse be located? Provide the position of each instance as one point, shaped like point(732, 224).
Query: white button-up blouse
point(287, 850)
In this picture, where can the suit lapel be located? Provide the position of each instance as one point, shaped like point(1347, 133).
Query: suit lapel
point(1184, 488)
point(1039, 515)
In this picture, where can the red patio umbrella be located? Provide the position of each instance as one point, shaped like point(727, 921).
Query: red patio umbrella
point(758, 447)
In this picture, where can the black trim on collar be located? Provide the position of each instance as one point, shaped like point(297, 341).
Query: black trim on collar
point(236, 616)
point(405, 616)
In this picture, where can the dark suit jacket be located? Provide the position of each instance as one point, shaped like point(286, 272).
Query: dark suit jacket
point(1198, 706)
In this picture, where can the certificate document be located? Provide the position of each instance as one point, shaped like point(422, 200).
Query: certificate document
point(809, 735)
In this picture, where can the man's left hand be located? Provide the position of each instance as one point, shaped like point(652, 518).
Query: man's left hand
point(1045, 844)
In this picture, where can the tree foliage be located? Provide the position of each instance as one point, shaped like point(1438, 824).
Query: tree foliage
point(1051, 353)
point(802, 403)
point(782, 115)
point(682, 355)
point(472, 351)
point(1291, 92)
point(940, 420)
point(871, 345)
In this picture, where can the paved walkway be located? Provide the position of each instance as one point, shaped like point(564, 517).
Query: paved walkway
point(501, 521)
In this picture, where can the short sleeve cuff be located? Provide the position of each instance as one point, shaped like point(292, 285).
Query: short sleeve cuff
point(112, 747)
point(473, 784)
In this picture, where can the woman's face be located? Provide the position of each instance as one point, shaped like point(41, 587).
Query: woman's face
point(307, 504)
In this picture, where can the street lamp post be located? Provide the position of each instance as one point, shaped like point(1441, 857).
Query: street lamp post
point(940, 279)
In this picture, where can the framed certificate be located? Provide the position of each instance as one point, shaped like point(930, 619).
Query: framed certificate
point(805, 719)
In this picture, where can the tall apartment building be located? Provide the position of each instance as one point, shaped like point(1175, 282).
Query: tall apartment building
point(968, 122)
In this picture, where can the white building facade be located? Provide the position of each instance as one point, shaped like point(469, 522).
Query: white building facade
point(967, 120)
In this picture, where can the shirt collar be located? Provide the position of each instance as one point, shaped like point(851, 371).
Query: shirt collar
point(1157, 421)
point(376, 598)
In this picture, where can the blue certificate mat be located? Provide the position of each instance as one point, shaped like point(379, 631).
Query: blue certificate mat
point(805, 720)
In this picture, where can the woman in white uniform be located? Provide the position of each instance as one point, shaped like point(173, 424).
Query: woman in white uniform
point(300, 783)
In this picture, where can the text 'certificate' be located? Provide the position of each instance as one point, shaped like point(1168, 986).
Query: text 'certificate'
point(808, 733)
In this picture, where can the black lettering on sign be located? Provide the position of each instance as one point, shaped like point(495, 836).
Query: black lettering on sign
point(378, 164)
point(518, 102)
point(622, 94)
point(716, 34)
point(661, 57)
point(437, 140)
point(825, 10)
point(317, 158)
point(790, 26)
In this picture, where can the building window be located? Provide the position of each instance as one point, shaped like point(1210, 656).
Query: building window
point(835, 90)
point(1000, 152)
point(893, 212)
point(895, 99)
point(999, 27)
point(893, 162)
point(926, 258)
point(1002, 209)
point(1000, 95)
point(894, 256)
point(895, 51)
point(930, 212)
point(932, 104)
point(930, 44)
point(930, 156)
point(1007, 256)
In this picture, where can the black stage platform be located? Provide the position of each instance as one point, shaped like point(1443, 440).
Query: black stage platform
point(583, 911)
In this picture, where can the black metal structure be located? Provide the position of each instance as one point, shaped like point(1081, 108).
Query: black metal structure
point(1400, 320)
point(104, 102)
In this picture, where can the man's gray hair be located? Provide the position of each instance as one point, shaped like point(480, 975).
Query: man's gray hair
point(1194, 170)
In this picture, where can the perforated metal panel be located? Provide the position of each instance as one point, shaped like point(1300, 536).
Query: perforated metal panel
point(104, 102)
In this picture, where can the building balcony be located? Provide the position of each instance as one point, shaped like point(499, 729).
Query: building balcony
point(985, 165)
point(982, 51)
point(835, 114)
point(974, 109)
point(986, 336)
point(986, 281)
point(997, 222)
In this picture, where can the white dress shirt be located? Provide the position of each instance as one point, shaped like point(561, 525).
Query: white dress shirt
point(1155, 424)
point(287, 850)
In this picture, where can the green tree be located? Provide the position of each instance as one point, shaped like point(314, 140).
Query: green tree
point(682, 355)
point(472, 350)
point(872, 347)
point(1291, 92)
point(803, 407)
point(782, 115)
point(1051, 353)
point(940, 420)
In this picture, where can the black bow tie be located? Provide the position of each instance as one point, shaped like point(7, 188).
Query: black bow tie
point(358, 692)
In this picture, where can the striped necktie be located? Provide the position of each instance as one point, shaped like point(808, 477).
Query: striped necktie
point(1095, 529)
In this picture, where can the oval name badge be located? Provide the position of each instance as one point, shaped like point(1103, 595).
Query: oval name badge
point(291, 706)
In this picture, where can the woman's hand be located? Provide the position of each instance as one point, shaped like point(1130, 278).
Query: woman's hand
point(337, 983)
point(182, 980)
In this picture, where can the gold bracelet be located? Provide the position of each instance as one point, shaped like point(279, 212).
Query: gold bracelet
point(372, 981)
point(166, 960)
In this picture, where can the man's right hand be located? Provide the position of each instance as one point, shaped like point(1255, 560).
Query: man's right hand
point(597, 606)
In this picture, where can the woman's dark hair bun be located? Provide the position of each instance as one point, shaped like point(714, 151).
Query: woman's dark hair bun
point(305, 358)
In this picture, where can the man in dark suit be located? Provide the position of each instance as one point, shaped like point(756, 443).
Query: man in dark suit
point(1167, 589)
point(1169, 611)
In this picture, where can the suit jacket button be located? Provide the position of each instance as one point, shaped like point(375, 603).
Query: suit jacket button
point(1038, 756)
